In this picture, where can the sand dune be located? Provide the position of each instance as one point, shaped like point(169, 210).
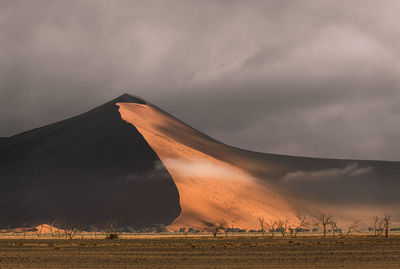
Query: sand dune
point(39, 230)
point(209, 188)
point(141, 167)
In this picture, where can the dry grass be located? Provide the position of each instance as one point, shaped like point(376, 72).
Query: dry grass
point(203, 251)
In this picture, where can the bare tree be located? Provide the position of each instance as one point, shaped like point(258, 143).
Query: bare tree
point(111, 229)
point(382, 225)
point(291, 229)
point(352, 227)
point(218, 225)
point(325, 220)
point(68, 229)
point(70, 232)
point(378, 226)
point(283, 226)
point(386, 221)
point(262, 225)
point(271, 226)
point(333, 224)
point(226, 230)
point(294, 228)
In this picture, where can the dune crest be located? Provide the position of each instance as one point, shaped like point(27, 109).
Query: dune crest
point(209, 188)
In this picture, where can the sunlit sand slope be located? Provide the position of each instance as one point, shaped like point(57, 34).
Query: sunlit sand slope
point(209, 188)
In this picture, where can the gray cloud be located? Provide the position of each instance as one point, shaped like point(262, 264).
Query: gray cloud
point(315, 78)
point(351, 170)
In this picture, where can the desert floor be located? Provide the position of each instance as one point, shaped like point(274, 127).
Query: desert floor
point(204, 252)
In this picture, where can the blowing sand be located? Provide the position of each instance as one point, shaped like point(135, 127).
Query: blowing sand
point(209, 188)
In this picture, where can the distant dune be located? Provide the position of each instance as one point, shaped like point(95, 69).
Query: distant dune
point(132, 163)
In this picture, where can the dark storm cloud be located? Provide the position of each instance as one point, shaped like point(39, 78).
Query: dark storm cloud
point(315, 78)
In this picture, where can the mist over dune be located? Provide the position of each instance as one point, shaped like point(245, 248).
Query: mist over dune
point(129, 161)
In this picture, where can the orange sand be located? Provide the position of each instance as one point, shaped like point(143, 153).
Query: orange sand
point(48, 229)
point(209, 188)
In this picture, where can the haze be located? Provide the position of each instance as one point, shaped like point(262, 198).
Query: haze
point(310, 78)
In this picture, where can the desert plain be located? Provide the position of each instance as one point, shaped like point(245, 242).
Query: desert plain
point(205, 251)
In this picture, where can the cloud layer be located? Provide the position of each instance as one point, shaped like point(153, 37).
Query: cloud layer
point(351, 170)
point(314, 78)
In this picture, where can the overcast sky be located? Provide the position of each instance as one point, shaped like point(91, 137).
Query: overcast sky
point(314, 78)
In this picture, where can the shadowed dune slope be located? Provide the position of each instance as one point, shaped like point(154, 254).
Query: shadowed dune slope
point(86, 171)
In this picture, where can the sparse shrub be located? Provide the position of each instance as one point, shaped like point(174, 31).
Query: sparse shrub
point(92, 229)
point(112, 236)
point(193, 230)
point(129, 229)
point(160, 228)
point(111, 230)
point(236, 230)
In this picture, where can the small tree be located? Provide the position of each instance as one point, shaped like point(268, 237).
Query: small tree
point(218, 225)
point(69, 229)
point(333, 224)
point(271, 226)
point(111, 230)
point(325, 220)
point(386, 221)
point(378, 226)
point(351, 228)
point(70, 232)
point(283, 226)
point(226, 230)
point(301, 223)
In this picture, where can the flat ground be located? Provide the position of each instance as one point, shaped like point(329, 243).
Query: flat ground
point(204, 252)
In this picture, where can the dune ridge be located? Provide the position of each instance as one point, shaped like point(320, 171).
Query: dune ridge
point(209, 188)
